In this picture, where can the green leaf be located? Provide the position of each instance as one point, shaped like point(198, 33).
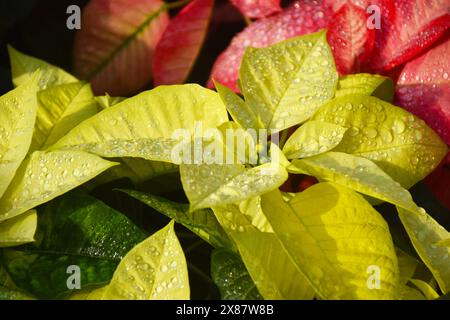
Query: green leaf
point(18, 230)
point(367, 84)
point(239, 110)
point(153, 270)
point(313, 138)
point(407, 266)
point(11, 294)
point(337, 240)
point(425, 288)
point(23, 66)
point(17, 113)
point(60, 109)
point(357, 173)
point(268, 264)
point(45, 175)
point(201, 222)
point(401, 144)
point(286, 83)
point(208, 185)
point(424, 233)
point(75, 229)
point(107, 101)
point(144, 126)
point(231, 277)
point(408, 293)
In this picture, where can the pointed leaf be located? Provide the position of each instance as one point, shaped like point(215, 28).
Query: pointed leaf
point(18, 114)
point(423, 88)
point(300, 18)
point(399, 143)
point(114, 48)
point(45, 175)
point(181, 42)
point(313, 138)
point(231, 277)
point(286, 83)
point(18, 230)
point(344, 237)
point(407, 28)
point(107, 101)
point(271, 269)
point(208, 185)
point(240, 111)
point(153, 270)
point(425, 288)
point(60, 108)
point(23, 67)
point(257, 8)
point(75, 229)
point(367, 84)
point(144, 126)
point(424, 233)
point(350, 38)
point(201, 222)
point(357, 173)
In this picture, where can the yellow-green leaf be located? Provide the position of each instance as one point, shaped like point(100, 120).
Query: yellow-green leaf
point(398, 142)
point(425, 288)
point(18, 230)
point(208, 185)
point(239, 110)
point(107, 101)
point(313, 138)
point(357, 173)
point(286, 83)
point(144, 126)
point(45, 175)
point(424, 233)
point(337, 240)
point(443, 243)
point(60, 108)
point(268, 264)
point(23, 66)
point(18, 114)
point(153, 270)
point(367, 84)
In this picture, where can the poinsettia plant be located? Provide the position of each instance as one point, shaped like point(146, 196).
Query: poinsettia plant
point(289, 101)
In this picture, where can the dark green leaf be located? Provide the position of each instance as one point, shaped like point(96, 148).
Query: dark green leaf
point(73, 230)
point(231, 277)
point(201, 222)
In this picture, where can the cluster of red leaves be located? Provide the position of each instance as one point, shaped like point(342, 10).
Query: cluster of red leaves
point(405, 39)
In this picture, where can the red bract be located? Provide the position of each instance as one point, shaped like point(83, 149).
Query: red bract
point(407, 28)
point(350, 38)
point(115, 45)
point(257, 8)
point(423, 88)
point(300, 18)
point(180, 44)
point(439, 182)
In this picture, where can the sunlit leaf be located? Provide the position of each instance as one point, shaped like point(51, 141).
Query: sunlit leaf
point(286, 83)
point(18, 230)
point(356, 173)
point(153, 270)
point(398, 142)
point(367, 84)
point(45, 175)
point(268, 264)
point(144, 126)
point(337, 244)
point(23, 67)
point(313, 138)
point(60, 108)
point(424, 233)
point(18, 113)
